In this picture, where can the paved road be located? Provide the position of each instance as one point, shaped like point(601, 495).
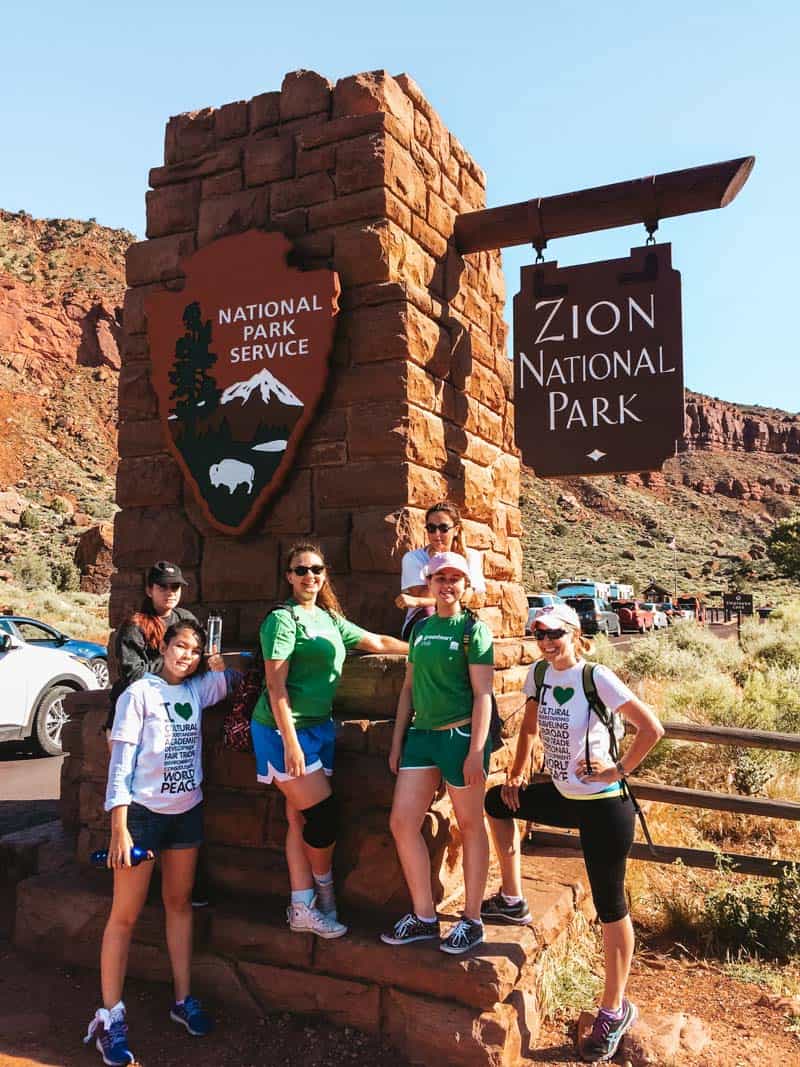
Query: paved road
point(29, 788)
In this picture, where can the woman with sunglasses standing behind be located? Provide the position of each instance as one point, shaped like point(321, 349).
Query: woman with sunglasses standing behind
point(304, 643)
point(585, 793)
point(445, 534)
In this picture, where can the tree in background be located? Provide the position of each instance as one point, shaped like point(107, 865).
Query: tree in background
point(783, 546)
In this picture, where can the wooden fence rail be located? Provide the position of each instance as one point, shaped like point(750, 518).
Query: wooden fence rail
point(706, 799)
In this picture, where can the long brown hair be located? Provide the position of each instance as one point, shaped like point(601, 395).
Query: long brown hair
point(326, 598)
point(152, 627)
point(459, 544)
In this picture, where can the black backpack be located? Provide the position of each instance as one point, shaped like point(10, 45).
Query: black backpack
point(495, 722)
point(612, 721)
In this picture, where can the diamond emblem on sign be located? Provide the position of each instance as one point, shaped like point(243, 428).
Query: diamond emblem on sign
point(595, 455)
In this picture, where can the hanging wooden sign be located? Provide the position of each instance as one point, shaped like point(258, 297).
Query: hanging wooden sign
point(598, 364)
point(240, 360)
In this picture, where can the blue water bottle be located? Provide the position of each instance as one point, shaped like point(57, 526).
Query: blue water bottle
point(100, 857)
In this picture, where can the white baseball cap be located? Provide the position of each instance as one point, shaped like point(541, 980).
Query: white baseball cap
point(555, 613)
point(453, 561)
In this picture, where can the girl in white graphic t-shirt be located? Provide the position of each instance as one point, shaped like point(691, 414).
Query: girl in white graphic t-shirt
point(155, 799)
point(588, 796)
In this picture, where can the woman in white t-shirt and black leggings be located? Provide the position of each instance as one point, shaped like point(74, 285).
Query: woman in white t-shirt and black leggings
point(445, 534)
point(588, 798)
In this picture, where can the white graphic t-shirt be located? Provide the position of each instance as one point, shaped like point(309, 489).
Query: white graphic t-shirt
point(563, 720)
point(164, 722)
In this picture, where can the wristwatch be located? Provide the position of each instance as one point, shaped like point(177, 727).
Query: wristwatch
point(620, 769)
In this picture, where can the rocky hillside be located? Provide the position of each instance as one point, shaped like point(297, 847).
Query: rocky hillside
point(61, 289)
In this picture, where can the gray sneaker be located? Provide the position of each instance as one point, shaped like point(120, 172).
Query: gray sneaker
point(607, 1032)
point(305, 918)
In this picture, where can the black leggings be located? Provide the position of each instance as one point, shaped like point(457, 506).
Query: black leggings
point(606, 829)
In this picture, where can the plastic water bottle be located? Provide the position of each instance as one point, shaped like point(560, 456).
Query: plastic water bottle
point(214, 634)
point(100, 858)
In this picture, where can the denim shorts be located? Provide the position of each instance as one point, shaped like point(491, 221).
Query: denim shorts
point(159, 832)
point(317, 743)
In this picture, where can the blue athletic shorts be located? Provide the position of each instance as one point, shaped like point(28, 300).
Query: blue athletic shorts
point(317, 743)
point(159, 832)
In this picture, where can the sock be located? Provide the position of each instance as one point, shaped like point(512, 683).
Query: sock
point(303, 896)
point(510, 900)
point(180, 1003)
point(425, 919)
point(324, 879)
point(612, 1013)
point(326, 897)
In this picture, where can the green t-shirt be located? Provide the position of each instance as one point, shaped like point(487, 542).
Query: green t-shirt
point(314, 642)
point(442, 691)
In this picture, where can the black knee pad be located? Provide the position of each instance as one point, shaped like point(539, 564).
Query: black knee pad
point(321, 823)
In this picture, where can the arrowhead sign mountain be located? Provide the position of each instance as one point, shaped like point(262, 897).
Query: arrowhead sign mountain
point(240, 360)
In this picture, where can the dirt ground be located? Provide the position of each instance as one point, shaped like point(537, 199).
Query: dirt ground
point(44, 1012)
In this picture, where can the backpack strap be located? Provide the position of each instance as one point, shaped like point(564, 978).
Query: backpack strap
point(469, 626)
point(539, 671)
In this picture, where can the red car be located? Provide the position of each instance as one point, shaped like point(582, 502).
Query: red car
point(633, 615)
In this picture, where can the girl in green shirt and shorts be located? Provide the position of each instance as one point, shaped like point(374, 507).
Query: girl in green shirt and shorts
point(448, 685)
point(304, 644)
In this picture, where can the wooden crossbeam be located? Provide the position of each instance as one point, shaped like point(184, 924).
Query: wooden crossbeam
point(729, 735)
point(660, 196)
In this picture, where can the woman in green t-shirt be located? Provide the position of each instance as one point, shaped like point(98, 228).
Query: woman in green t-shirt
point(304, 644)
point(447, 688)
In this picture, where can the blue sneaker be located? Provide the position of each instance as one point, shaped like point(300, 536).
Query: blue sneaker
point(110, 1032)
point(191, 1015)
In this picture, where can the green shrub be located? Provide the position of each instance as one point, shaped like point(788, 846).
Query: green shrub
point(59, 505)
point(654, 657)
point(604, 652)
point(753, 917)
point(708, 697)
point(32, 572)
point(29, 520)
point(66, 576)
point(773, 696)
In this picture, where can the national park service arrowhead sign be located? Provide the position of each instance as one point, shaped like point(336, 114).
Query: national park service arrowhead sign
point(240, 360)
point(598, 364)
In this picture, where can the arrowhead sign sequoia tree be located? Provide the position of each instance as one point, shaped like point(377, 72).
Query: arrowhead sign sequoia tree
point(240, 360)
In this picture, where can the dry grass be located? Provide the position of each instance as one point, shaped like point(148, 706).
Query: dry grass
point(83, 615)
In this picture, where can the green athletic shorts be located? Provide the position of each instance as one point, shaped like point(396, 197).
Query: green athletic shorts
point(445, 749)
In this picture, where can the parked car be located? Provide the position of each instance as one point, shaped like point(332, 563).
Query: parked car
point(660, 620)
point(539, 600)
point(596, 616)
point(669, 610)
point(34, 682)
point(633, 615)
point(39, 634)
point(692, 607)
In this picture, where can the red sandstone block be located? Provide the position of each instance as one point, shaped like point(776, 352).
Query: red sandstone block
point(425, 485)
point(440, 215)
point(144, 534)
point(377, 543)
point(230, 181)
point(239, 569)
point(430, 240)
point(452, 196)
point(264, 110)
point(361, 164)
point(250, 935)
point(134, 319)
point(172, 208)
point(362, 254)
point(225, 769)
point(369, 92)
point(137, 399)
point(291, 223)
point(304, 92)
point(134, 347)
point(422, 129)
point(234, 818)
point(291, 511)
point(345, 1003)
point(473, 193)
point(331, 522)
point(360, 484)
point(301, 192)
point(375, 203)
point(235, 213)
point(157, 260)
point(351, 735)
point(188, 135)
point(225, 158)
point(268, 159)
point(343, 129)
point(322, 454)
point(515, 609)
point(230, 120)
point(313, 159)
point(426, 439)
point(148, 482)
point(487, 387)
point(475, 448)
point(405, 178)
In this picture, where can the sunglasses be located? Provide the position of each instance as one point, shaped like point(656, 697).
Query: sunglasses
point(301, 570)
point(440, 527)
point(549, 635)
point(173, 587)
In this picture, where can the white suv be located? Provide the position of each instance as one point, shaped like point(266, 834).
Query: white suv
point(34, 682)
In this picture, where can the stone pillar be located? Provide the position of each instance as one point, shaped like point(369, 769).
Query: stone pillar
point(363, 177)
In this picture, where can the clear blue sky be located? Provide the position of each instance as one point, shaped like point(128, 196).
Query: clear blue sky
point(548, 97)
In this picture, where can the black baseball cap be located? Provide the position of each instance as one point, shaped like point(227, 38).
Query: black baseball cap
point(164, 573)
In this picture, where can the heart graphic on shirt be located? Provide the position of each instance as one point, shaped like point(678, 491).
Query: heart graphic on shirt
point(184, 710)
point(562, 695)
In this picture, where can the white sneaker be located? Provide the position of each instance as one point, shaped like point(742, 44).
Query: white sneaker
point(306, 918)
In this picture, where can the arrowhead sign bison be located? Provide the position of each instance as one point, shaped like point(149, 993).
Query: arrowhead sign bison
point(240, 360)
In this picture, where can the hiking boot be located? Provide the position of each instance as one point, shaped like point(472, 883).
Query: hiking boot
point(497, 910)
point(191, 1015)
point(306, 918)
point(110, 1032)
point(410, 928)
point(466, 934)
point(607, 1032)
